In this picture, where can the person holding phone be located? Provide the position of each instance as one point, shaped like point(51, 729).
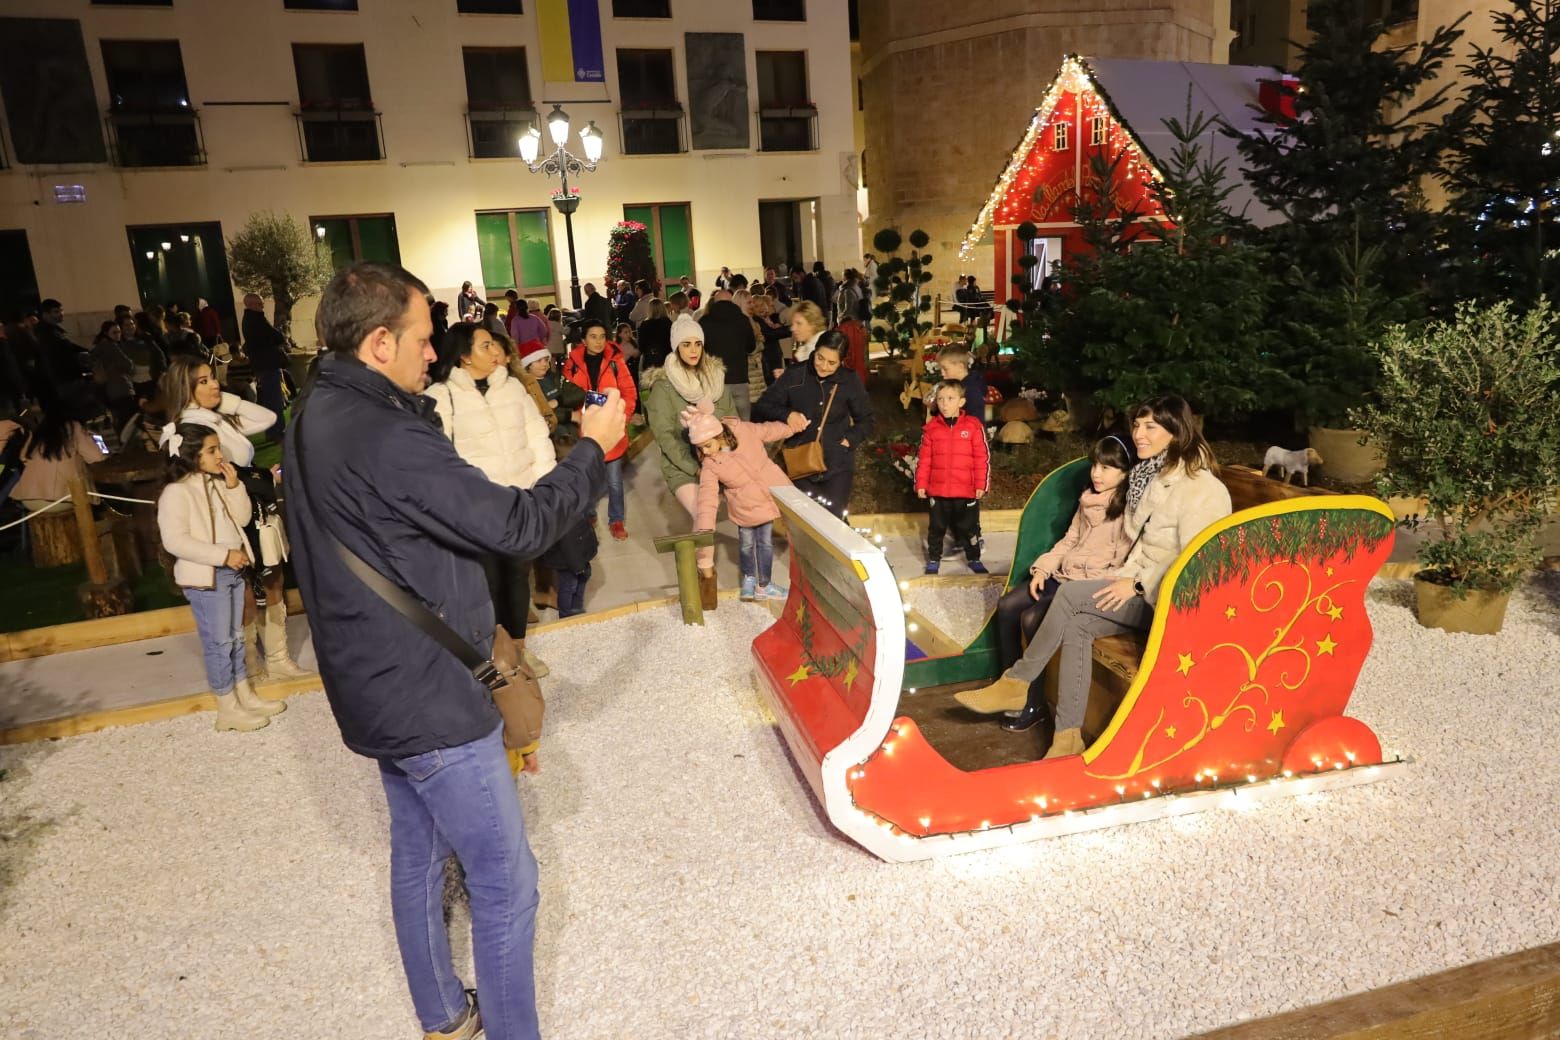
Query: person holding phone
point(60, 450)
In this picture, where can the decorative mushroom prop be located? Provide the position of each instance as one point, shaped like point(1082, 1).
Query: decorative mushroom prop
point(1015, 432)
point(993, 398)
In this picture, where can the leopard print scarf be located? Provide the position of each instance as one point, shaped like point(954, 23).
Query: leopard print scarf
point(1142, 475)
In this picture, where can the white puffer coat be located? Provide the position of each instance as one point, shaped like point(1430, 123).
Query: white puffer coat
point(502, 432)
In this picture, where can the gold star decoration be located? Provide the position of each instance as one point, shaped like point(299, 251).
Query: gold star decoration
point(1170, 732)
point(1277, 723)
point(801, 611)
point(1186, 663)
point(1326, 646)
point(798, 675)
point(1329, 572)
point(850, 674)
point(1336, 613)
point(1229, 613)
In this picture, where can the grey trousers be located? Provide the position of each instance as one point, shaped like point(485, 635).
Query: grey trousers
point(742, 400)
point(1073, 623)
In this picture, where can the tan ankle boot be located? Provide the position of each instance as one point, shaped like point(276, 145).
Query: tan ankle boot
point(254, 660)
point(1006, 694)
point(231, 715)
point(1066, 742)
point(273, 633)
point(255, 704)
point(709, 591)
point(536, 664)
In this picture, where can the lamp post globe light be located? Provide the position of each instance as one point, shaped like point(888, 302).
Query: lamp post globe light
point(561, 162)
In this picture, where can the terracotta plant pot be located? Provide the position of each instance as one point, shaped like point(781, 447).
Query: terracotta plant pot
point(1480, 613)
point(1345, 459)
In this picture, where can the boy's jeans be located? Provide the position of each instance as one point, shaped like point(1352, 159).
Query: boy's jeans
point(756, 552)
point(615, 491)
point(462, 801)
point(571, 592)
point(219, 618)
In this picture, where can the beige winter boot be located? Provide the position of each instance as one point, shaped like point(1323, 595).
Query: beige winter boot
point(1006, 694)
point(1066, 742)
point(254, 660)
point(278, 662)
point(231, 715)
point(255, 704)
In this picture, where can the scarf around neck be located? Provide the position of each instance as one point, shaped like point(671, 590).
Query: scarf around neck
point(708, 380)
point(1142, 475)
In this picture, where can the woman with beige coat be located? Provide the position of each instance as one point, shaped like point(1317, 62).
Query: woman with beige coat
point(1173, 493)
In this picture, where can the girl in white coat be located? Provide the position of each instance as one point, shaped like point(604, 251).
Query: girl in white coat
point(200, 517)
point(192, 394)
point(494, 424)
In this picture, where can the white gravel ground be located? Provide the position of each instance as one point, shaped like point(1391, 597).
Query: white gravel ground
point(210, 885)
point(959, 610)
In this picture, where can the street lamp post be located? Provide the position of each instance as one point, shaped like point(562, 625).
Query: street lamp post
point(561, 162)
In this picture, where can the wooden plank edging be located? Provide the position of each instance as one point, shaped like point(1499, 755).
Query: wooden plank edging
point(1515, 997)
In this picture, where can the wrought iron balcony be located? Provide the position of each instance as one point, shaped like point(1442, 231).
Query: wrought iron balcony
point(155, 137)
point(346, 132)
point(495, 133)
point(653, 128)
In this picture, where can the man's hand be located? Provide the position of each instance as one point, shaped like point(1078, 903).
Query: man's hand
point(1112, 596)
point(980, 493)
point(236, 560)
point(844, 443)
point(605, 424)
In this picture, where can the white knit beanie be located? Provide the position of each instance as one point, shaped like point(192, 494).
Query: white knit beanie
point(684, 329)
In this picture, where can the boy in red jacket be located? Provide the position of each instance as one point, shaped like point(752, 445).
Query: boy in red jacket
point(953, 472)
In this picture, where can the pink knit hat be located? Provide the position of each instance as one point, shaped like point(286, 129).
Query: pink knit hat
point(700, 422)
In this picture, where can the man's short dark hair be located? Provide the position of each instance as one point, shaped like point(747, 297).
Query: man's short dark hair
point(592, 323)
point(510, 294)
point(362, 298)
point(739, 281)
point(50, 304)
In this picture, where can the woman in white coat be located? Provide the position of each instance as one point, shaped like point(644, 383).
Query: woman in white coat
point(494, 424)
point(192, 394)
point(1173, 493)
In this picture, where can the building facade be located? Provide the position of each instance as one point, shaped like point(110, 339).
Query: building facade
point(137, 138)
point(944, 85)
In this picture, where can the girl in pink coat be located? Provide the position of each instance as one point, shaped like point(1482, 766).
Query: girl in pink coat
point(1093, 547)
point(733, 458)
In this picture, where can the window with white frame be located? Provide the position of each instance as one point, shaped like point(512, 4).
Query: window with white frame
point(1059, 137)
point(1097, 131)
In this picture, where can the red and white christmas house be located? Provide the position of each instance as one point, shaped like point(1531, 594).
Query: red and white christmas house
point(1110, 107)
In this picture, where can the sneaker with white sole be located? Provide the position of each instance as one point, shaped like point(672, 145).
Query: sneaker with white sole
point(749, 584)
point(771, 591)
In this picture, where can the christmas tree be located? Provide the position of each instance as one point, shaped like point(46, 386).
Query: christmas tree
point(1345, 169)
point(1503, 170)
point(628, 255)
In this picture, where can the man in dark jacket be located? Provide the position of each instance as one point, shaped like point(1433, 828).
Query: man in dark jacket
point(266, 349)
point(728, 334)
point(598, 308)
point(365, 464)
point(65, 367)
point(807, 286)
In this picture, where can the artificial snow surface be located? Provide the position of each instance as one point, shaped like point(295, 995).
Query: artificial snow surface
point(203, 885)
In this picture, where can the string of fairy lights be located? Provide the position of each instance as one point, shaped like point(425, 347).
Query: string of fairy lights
point(1009, 201)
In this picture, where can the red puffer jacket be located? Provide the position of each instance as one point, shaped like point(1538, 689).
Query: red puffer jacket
point(614, 372)
point(955, 461)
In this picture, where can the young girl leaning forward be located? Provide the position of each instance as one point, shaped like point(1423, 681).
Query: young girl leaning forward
point(1093, 547)
point(201, 516)
point(733, 458)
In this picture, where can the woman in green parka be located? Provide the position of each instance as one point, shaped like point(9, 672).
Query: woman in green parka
point(689, 376)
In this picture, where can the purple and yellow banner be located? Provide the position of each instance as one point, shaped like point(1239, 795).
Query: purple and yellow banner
point(571, 41)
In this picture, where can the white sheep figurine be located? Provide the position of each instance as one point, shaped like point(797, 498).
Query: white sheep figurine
point(1292, 462)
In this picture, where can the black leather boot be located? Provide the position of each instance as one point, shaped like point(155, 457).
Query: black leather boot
point(1031, 716)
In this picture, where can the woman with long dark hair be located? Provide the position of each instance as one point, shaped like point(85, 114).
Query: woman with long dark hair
point(835, 402)
point(1172, 494)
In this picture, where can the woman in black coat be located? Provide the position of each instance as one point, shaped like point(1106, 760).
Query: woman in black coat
point(806, 388)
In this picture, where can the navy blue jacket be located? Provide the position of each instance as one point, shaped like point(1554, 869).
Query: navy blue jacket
point(975, 394)
point(389, 485)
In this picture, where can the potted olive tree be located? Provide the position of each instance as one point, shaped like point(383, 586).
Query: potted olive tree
point(1467, 412)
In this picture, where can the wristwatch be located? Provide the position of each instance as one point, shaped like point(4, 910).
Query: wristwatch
point(1137, 586)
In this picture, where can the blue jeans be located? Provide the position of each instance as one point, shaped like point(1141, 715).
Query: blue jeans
point(571, 592)
point(615, 491)
point(462, 801)
point(219, 618)
point(756, 551)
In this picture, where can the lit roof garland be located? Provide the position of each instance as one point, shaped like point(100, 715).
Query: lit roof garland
point(1074, 78)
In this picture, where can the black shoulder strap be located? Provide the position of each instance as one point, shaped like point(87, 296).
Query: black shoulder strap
point(405, 604)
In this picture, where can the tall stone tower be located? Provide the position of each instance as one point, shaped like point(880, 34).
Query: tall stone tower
point(949, 85)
